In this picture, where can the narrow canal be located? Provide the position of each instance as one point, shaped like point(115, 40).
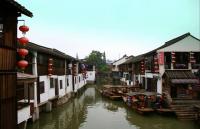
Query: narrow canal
point(90, 111)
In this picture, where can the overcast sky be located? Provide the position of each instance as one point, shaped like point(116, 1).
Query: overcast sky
point(117, 27)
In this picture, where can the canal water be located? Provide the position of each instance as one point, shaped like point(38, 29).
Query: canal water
point(90, 111)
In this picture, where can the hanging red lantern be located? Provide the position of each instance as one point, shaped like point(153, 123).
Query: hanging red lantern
point(22, 52)
point(22, 64)
point(24, 28)
point(50, 69)
point(23, 41)
point(173, 55)
point(142, 67)
point(156, 67)
point(50, 66)
point(192, 59)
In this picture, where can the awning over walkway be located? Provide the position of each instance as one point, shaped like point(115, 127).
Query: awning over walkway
point(181, 77)
point(23, 77)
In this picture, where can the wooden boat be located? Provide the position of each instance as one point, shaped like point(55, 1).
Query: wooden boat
point(109, 94)
point(139, 101)
point(145, 110)
point(115, 92)
point(116, 97)
point(164, 111)
point(162, 106)
point(112, 92)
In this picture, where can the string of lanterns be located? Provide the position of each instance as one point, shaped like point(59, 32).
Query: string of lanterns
point(142, 68)
point(23, 41)
point(192, 59)
point(156, 67)
point(173, 56)
point(50, 66)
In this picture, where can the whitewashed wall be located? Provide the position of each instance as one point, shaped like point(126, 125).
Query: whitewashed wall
point(51, 93)
point(188, 44)
point(23, 114)
point(118, 62)
point(61, 91)
point(69, 87)
point(90, 76)
point(44, 96)
point(82, 81)
point(75, 83)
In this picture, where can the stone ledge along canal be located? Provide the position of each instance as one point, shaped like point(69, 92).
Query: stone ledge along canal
point(89, 110)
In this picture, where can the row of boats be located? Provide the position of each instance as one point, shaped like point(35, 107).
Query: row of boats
point(143, 102)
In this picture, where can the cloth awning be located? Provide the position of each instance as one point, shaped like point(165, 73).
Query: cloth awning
point(181, 77)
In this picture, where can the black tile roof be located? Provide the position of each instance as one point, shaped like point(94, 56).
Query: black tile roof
point(50, 51)
point(179, 74)
point(168, 43)
point(19, 7)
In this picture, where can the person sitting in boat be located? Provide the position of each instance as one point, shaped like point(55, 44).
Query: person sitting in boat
point(141, 103)
point(129, 100)
point(134, 99)
point(164, 103)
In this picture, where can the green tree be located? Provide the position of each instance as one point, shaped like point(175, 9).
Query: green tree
point(98, 59)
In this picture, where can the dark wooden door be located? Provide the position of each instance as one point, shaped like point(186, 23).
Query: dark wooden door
point(56, 87)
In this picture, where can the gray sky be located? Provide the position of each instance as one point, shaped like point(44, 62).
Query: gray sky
point(117, 27)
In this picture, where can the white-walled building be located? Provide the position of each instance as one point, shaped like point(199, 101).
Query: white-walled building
point(91, 74)
point(179, 58)
point(58, 75)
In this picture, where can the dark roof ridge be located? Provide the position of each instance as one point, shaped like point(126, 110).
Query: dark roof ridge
point(20, 8)
point(166, 44)
point(47, 50)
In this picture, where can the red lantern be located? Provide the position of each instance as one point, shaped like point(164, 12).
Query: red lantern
point(22, 64)
point(142, 67)
point(173, 57)
point(23, 41)
point(192, 59)
point(22, 52)
point(156, 67)
point(50, 69)
point(50, 66)
point(24, 28)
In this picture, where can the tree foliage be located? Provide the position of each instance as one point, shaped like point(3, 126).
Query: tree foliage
point(97, 59)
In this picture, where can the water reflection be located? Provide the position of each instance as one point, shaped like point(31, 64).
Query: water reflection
point(90, 111)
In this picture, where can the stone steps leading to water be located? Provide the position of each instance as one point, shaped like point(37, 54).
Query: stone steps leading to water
point(184, 108)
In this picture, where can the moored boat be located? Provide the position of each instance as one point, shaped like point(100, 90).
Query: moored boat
point(141, 102)
point(163, 106)
point(114, 92)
